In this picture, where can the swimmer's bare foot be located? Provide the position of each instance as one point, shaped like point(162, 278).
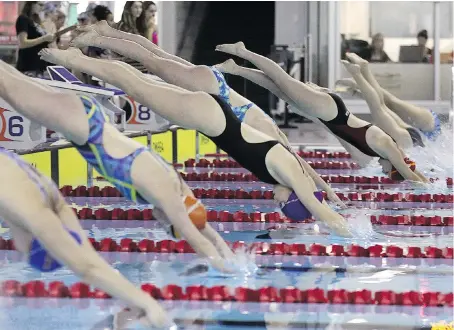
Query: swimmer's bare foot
point(355, 59)
point(101, 27)
point(353, 69)
point(347, 82)
point(317, 87)
point(233, 49)
point(59, 56)
point(228, 66)
point(85, 39)
point(350, 84)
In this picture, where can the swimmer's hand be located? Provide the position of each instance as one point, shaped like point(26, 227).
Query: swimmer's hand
point(336, 200)
point(338, 225)
point(154, 315)
point(222, 265)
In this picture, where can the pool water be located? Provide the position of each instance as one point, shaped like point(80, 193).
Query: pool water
point(254, 271)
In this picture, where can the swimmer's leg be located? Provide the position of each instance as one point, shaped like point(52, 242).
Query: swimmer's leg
point(377, 107)
point(313, 102)
point(416, 116)
point(57, 110)
point(105, 30)
point(288, 172)
point(194, 78)
point(370, 78)
point(256, 76)
point(192, 110)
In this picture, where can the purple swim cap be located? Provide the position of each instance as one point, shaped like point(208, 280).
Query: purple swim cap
point(295, 210)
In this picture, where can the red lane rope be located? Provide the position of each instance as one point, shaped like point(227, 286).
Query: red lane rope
point(240, 216)
point(38, 289)
point(83, 191)
point(264, 248)
point(307, 154)
point(365, 181)
point(230, 163)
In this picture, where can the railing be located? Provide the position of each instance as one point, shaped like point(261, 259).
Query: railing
point(54, 147)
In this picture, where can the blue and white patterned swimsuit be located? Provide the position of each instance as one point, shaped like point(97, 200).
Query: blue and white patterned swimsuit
point(224, 93)
point(433, 135)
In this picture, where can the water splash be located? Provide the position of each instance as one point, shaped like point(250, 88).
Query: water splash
point(436, 158)
point(242, 265)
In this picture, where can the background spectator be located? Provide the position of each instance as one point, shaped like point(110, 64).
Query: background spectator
point(83, 19)
point(31, 39)
point(131, 12)
point(375, 52)
point(60, 19)
point(100, 13)
point(128, 23)
point(48, 23)
point(422, 41)
point(146, 24)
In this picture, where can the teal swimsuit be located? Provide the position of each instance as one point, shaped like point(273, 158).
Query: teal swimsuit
point(224, 93)
point(116, 170)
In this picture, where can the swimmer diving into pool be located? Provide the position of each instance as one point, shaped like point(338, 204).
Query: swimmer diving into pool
point(138, 173)
point(209, 114)
point(46, 230)
point(424, 120)
point(177, 71)
point(361, 138)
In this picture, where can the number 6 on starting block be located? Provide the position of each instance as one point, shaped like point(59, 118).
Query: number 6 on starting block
point(18, 132)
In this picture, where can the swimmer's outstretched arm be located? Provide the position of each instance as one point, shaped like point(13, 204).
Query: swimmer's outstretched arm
point(287, 170)
point(104, 29)
point(177, 215)
point(214, 237)
point(396, 156)
point(321, 184)
point(84, 260)
point(193, 78)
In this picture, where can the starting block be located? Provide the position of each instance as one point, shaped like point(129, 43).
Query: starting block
point(18, 132)
point(116, 104)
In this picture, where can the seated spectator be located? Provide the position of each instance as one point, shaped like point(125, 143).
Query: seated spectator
point(375, 52)
point(128, 23)
point(422, 38)
point(131, 12)
point(146, 24)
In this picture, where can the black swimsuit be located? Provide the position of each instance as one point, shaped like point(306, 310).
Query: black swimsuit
point(249, 155)
point(356, 136)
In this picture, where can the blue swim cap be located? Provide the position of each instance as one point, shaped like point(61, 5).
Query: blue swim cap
point(295, 210)
point(41, 260)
